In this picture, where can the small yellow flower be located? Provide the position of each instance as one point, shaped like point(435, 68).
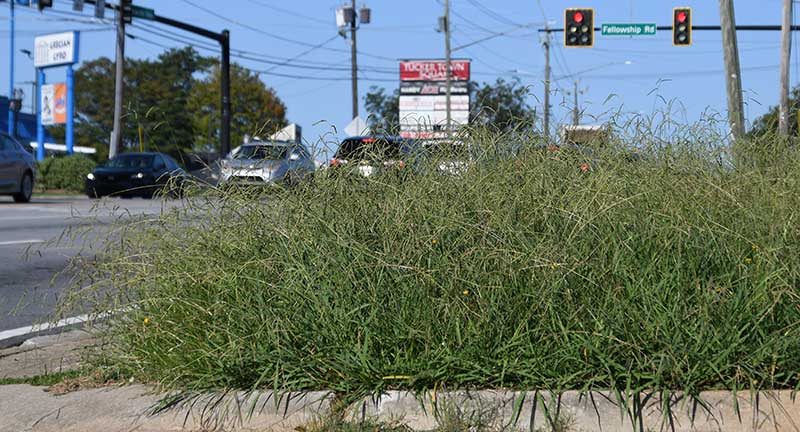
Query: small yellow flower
point(146, 321)
point(553, 266)
point(754, 247)
point(434, 242)
point(748, 260)
point(465, 292)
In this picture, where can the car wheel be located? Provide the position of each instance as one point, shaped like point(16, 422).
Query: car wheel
point(25, 189)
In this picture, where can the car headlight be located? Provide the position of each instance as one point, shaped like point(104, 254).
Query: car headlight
point(138, 176)
point(90, 176)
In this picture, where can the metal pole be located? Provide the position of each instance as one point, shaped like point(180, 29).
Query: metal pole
point(116, 136)
point(11, 130)
point(733, 74)
point(786, 54)
point(225, 82)
point(575, 115)
point(39, 127)
point(547, 84)
point(447, 64)
point(354, 60)
point(70, 132)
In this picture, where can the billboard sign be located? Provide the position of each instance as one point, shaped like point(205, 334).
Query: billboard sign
point(423, 100)
point(434, 70)
point(54, 104)
point(56, 49)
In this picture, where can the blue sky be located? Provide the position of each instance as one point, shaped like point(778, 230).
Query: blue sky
point(273, 30)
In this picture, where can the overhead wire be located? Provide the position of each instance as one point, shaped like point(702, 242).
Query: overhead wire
point(276, 36)
point(491, 14)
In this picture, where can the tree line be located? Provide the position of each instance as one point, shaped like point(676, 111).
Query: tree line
point(171, 104)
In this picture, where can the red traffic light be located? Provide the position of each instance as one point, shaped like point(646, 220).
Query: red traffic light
point(681, 17)
point(577, 17)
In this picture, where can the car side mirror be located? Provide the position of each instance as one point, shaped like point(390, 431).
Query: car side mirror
point(294, 157)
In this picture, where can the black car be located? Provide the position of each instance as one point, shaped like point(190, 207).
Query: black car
point(371, 155)
point(135, 174)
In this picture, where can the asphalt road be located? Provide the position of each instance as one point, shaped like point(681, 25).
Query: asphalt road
point(32, 264)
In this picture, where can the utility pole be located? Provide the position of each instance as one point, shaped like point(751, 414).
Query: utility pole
point(546, 44)
point(11, 130)
point(575, 110)
point(447, 64)
point(733, 74)
point(354, 59)
point(116, 135)
point(786, 53)
point(225, 92)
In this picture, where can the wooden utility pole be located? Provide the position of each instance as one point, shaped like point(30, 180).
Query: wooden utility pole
point(546, 83)
point(575, 110)
point(733, 74)
point(447, 64)
point(116, 135)
point(786, 53)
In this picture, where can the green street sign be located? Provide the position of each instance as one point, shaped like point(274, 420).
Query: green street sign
point(143, 13)
point(628, 30)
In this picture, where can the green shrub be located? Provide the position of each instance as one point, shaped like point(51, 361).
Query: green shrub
point(677, 270)
point(64, 173)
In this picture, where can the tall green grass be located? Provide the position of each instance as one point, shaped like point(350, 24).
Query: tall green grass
point(679, 270)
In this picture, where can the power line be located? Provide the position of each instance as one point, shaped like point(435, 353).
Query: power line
point(492, 14)
point(288, 12)
point(259, 57)
point(275, 36)
point(264, 72)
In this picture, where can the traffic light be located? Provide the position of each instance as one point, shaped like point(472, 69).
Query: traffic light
point(579, 28)
point(44, 4)
point(682, 26)
point(127, 11)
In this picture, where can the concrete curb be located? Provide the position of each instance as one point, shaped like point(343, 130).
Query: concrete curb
point(131, 408)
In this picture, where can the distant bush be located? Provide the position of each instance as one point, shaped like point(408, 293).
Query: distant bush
point(64, 173)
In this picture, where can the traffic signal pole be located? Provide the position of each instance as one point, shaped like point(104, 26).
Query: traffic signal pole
point(354, 61)
point(547, 85)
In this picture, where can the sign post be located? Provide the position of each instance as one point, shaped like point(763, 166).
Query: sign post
point(53, 50)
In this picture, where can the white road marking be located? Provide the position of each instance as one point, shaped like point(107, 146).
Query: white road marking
point(31, 330)
point(16, 242)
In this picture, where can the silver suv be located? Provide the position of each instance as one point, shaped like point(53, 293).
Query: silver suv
point(17, 169)
point(268, 162)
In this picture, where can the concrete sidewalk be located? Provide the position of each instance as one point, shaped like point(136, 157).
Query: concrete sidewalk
point(132, 407)
point(45, 355)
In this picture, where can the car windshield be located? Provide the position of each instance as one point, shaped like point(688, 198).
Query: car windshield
point(262, 152)
point(131, 161)
point(368, 149)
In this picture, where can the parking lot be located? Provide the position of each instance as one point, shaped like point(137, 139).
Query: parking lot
point(32, 262)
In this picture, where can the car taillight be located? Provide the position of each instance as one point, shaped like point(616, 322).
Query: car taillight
point(335, 162)
point(401, 164)
point(585, 167)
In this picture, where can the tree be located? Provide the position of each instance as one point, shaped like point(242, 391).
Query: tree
point(501, 105)
point(156, 96)
point(768, 123)
point(383, 110)
point(256, 108)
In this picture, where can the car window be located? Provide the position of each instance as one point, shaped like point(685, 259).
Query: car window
point(368, 149)
point(134, 161)
point(262, 152)
point(172, 164)
point(158, 163)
